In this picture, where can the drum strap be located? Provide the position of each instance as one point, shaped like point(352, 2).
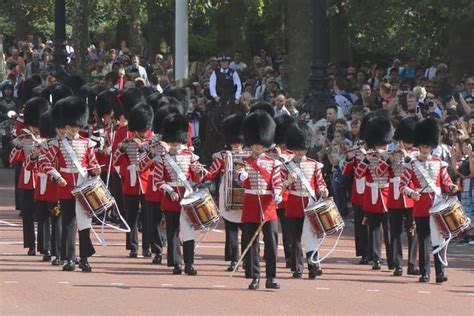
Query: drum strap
point(430, 181)
point(180, 173)
point(73, 157)
point(303, 179)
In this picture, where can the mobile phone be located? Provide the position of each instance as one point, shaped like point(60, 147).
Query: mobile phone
point(417, 109)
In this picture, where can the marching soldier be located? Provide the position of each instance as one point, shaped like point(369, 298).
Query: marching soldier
point(232, 218)
point(68, 161)
point(134, 180)
point(400, 207)
point(378, 133)
point(24, 144)
point(304, 183)
point(261, 179)
point(172, 172)
point(424, 179)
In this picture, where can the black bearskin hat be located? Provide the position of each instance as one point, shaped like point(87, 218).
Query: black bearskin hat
point(181, 95)
point(175, 128)
point(25, 88)
point(75, 82)
point(282, 122)
point(60, 92)
point(156, 100)
point(259, 129)
point(131, 97)
point(140, 118)
point(232, 128)
point(160, 114)
point(103, 104)
point(378, 131)
point(405, 130)
point(262, 105)
point(34, 108)
point(73, 111)
point(299, 136)
point(426, 133)
point(47, 125)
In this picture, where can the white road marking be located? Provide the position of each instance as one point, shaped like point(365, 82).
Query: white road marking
point(6, 254)
point(469, 294)
point(218, 286)
point(197, 257)
point(374, 290)
point(63, 282)
point(117, 284)
point(322, 288)
point(8, 223)
point(10, 282)
point(342, 261)
point(218, 230)
point(166, 284)
point(424, 292)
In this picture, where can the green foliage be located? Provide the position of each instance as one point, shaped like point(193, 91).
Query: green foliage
point(202, 47)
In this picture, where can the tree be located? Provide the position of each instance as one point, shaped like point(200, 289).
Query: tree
point(81, 40)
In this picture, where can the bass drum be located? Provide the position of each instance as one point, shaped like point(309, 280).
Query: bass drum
point(234, 216)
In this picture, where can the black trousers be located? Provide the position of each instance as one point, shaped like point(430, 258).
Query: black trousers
point(68, 238)
point(116, 191)
point(285, 232)
point(376, 222)
point(28, 210)
point(49, 229)
point(156, 215)
point(296, 229)
point(361, 232)
point(173, 255)
point(18, 197)
point(424, 247)
point(135, 204)
point(252, 260)
point(397, 217)
point(231, 252)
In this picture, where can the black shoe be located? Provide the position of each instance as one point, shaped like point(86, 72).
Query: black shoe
point(147, 253)
point(391, 267)
point(57, 262)
point(377, 265)
point(271, 284)
point(32, 252)
point(231, 266)
point(189, 270)
point(47, 256)
point(412, 270)
point(314, 272)
point(254, 285)
point(177, 269)
point(440, 278)
point(398, 271)
point(364, 260)
point(85, 266)
point(157, 259)
point(69, 266)
point(424, 278)
point(133, 254)
point(297, 274)
point(77, 261)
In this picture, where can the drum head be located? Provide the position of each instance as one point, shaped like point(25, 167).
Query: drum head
point(442, 203)
point(194, 197)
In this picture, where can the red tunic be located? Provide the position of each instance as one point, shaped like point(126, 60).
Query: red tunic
point(282, 156)
point(167, 181)
point(20, 154)
point(57, 163)
point(298, 196)
point(437, 170)
point(121, 133)
point(155, 148)
point(259, 192)
point(375, 171)
point(46, 189)
point(104, 153)
point(397, 200)
point(357, 198)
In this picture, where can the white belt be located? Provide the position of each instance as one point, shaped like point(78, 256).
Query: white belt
point(374, 190)
point(26, 176)
point(428, 189)
point(175, 184)
point(258, 192)
point(68, 170)
point(360, 185)
point(396, 187)
point(299, 193)
point(43, 182)
point(132, 169)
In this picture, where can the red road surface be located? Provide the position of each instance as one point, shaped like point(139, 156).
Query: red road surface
point(122, 286)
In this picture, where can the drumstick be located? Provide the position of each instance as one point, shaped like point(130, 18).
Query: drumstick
point(92, 168)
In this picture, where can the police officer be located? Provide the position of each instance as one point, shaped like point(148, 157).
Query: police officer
point(224, 83)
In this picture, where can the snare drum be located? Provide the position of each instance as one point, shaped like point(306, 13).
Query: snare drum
point(237, 202)
point(324, 217)
point(94, 197)
point(201, 209)
point(449, 216)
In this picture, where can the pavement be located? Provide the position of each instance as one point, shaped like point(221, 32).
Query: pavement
point(126, 286)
